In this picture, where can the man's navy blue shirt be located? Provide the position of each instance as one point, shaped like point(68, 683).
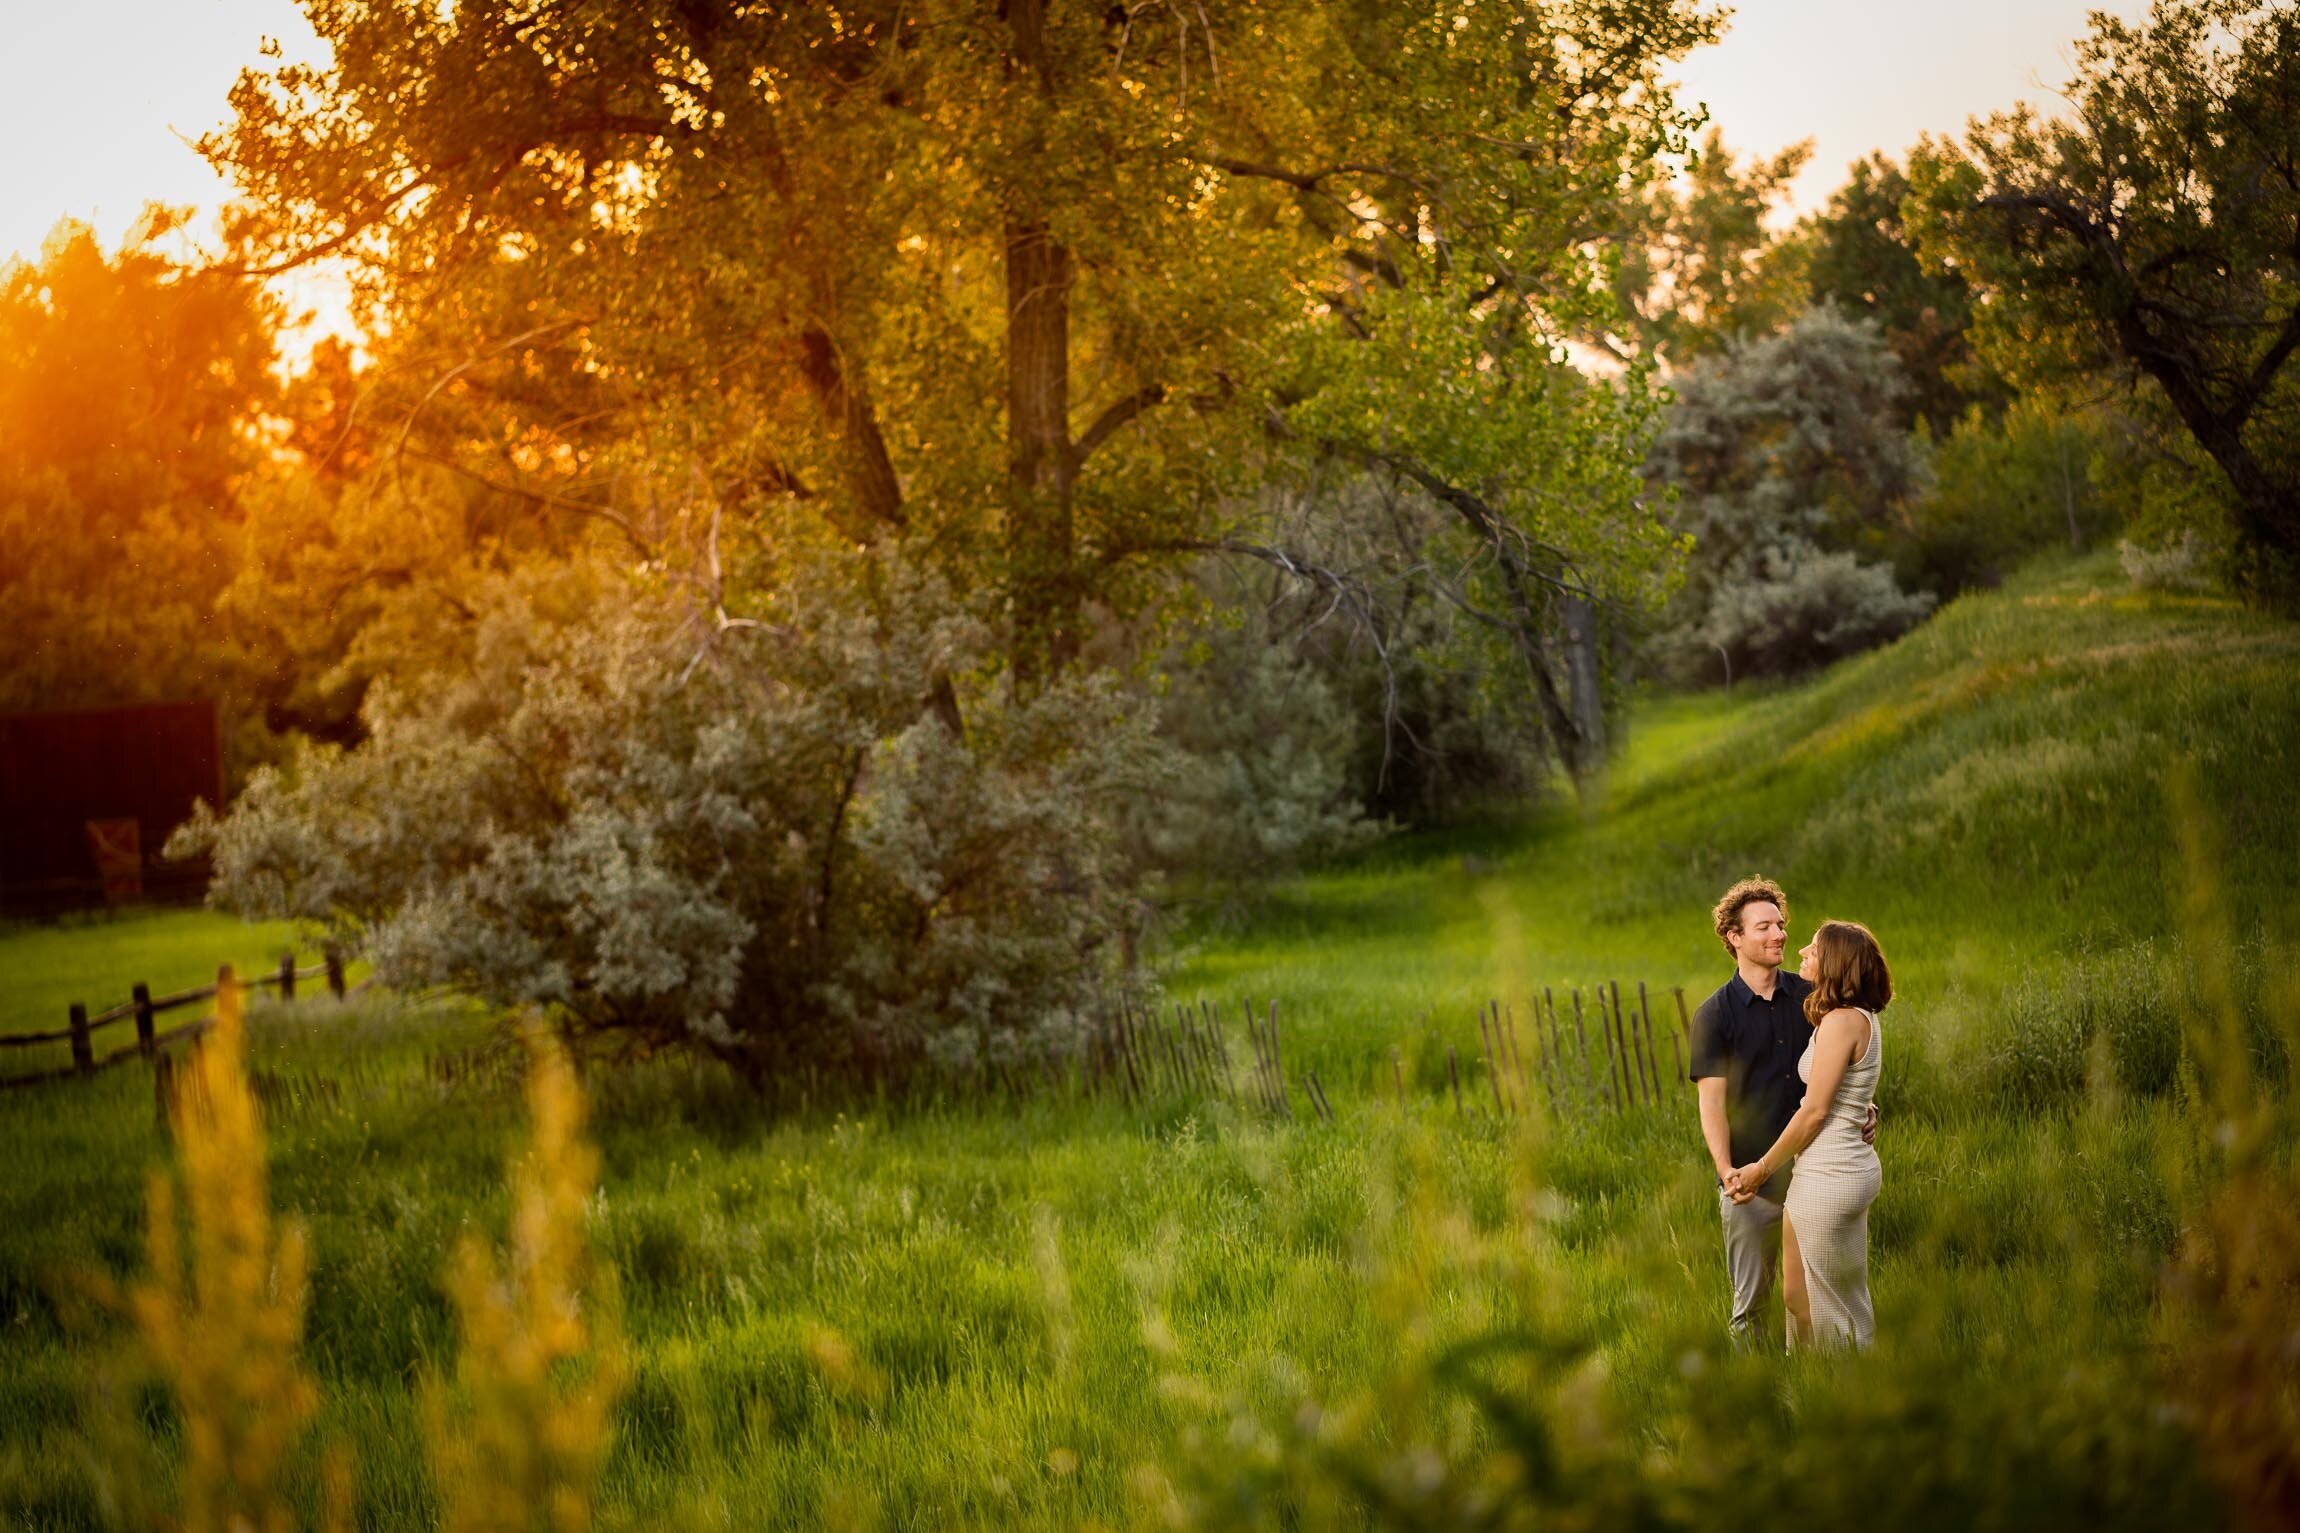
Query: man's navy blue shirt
point(1755, 1044)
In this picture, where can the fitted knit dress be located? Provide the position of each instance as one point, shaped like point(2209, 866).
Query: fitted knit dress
point(1837, 1178)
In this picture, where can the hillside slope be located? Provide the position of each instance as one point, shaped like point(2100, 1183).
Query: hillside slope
point(1991, 794)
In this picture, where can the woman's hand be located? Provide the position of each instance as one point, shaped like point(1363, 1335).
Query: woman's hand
point(1752, 1176)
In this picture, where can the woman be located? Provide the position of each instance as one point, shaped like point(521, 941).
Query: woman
point(1825, 1228)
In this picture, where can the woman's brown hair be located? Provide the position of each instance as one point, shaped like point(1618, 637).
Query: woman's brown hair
point(1848, 970)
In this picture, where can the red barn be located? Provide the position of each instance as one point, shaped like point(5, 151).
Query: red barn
point(88, 797)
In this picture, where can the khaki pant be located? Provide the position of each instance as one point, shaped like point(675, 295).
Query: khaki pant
point(1752, 1255)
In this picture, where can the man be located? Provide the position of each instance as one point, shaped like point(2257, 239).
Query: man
point(1747, 1039)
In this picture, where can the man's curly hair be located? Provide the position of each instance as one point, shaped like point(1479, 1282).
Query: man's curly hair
point(1746, 892)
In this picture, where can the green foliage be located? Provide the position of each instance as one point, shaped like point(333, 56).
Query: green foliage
point(1998, 490)
point(750, 840)
point(1262, 741)
point(1699, 269)
point(1857, 254)
point(2146, 234)
point(1785, 454)
point(1038, 295)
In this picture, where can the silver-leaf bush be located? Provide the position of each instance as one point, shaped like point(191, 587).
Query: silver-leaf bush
point(764, 841)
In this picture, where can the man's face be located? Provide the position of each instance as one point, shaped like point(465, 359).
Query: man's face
point(1764, 934)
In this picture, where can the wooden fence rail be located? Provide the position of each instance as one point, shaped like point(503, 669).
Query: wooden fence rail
point(145, 1009)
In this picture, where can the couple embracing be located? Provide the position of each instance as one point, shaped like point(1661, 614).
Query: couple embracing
point(1786, 1065)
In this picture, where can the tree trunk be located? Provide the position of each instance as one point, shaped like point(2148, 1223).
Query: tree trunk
point(1041, 580)
point(1039, 531)
point(1585, 694)
point(2268, 511)
point(846, 407)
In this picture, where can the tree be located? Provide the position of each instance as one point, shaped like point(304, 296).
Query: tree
point(1699, 269)
point(130, 401)
point(1039, 291)
point(1857, 254)
point(2152, 233)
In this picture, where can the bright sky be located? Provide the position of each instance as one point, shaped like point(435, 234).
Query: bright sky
point(1859, 75)
point(98, 100)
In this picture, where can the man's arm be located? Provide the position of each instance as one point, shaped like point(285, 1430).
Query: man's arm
point(1714, 1131)
point(1705, 1046)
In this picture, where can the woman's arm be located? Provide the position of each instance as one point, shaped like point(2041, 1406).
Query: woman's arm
point(1833, 1045)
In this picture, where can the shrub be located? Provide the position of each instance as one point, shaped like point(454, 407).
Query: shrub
point(1786, 454)
point(763, 842)
point(2001, 488)
point(2179, 565)
point(1262, 741)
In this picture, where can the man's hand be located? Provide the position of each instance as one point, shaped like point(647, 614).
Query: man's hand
point(1869, 1126)
point(1749, 1178)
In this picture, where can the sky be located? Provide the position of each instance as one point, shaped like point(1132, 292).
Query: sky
point(100, 98)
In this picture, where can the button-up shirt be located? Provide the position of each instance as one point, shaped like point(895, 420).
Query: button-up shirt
point(1755, 1044)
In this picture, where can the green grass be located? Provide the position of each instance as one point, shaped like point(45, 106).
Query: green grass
point(1066, 1314)
point(95, 960)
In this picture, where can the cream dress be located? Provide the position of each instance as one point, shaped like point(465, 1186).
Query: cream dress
point(1837, 1178)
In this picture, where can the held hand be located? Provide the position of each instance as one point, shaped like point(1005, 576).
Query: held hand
point(1751, 1177)
point(1869, 1126)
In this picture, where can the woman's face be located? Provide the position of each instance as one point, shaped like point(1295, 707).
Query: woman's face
point(1809, 959)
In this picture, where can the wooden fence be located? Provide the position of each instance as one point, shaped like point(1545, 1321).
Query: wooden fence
point(145, 1010)
point(1622, 1070)
point(1607, 1058)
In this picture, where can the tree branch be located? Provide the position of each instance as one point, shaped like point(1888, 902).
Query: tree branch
point(1112, 420)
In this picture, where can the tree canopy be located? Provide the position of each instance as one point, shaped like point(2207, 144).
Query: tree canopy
point(2151, 233)
point(132, 396)
point(1040, 290)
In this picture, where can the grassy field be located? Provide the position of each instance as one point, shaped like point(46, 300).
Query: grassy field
point(94, 961)
point(2069, 809)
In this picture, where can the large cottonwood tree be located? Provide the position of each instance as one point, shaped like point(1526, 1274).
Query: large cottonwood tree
point(1041, 289)
point(2151, 232)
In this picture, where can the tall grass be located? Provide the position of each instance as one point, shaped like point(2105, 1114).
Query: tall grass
point(518, 1437)
point(223, 1321)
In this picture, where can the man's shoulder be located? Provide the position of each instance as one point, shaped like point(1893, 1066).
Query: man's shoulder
point(1713, 1007)
point(1794, 985)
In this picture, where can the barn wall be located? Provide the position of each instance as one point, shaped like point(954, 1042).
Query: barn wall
point(59, 771)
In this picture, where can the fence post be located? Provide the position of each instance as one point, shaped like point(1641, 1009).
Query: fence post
point(287, 975)
point(83, 1048)
point(1648, 1052)
point(1633, 1078)
point(334, 973)
point(144, 1027)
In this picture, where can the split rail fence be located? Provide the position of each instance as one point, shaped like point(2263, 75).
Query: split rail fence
point(145, 1009)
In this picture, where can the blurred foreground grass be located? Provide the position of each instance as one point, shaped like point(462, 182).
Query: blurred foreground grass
point(1044, 1314)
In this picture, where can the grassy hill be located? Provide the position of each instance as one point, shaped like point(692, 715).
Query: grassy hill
point(1040, 1313)
point(1995, 796)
